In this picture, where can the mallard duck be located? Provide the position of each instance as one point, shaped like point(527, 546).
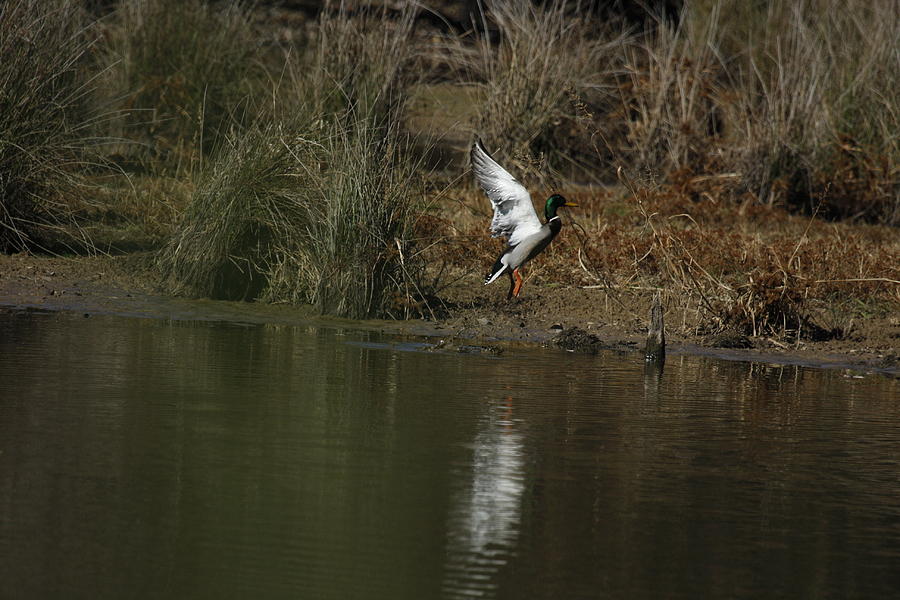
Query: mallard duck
point(514, 218)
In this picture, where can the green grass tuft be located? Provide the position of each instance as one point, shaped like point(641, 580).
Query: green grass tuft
point(318, 204)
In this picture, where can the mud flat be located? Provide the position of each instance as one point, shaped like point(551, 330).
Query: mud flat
point(583, 320)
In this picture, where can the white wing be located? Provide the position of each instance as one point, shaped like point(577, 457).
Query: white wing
point(514, 215)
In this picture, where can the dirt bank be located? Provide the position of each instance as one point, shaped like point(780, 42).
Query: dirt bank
point(473, 313)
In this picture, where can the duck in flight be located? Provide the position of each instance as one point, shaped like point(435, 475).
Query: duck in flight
point(514, 218)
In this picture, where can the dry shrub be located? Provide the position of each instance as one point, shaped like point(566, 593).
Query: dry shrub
point(790, 99)
point(859, 183)
point(667, 92)
point(758, 279)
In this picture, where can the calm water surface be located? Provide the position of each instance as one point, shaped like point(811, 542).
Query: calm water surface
point(145, 458)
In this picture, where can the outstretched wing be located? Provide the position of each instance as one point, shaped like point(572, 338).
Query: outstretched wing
point(514, 215)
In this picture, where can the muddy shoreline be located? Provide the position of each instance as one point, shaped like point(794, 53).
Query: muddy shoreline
point(477, 316)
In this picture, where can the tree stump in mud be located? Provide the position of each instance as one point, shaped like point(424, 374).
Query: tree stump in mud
point(655, 350)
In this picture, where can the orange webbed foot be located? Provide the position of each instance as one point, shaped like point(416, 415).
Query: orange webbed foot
point(519, 282)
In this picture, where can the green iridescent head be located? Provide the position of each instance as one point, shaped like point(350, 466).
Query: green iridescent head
point(553, 203)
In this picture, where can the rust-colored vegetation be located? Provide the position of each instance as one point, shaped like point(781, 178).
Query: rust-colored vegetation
point(750, 268)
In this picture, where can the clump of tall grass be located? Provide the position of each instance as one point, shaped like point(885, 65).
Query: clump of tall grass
point(543, 53)
point(44, 121)
point(243, 199)
point(357, 255)
point(182, 71)
point(318, 204)
point(324, 218)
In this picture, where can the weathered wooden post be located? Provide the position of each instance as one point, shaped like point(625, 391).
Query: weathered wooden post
point(655, 350)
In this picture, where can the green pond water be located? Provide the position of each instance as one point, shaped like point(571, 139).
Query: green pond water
point(151, 458)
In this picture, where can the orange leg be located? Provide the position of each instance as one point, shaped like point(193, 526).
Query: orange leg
point(519, 282)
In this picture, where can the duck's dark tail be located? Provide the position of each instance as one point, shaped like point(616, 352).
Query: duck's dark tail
point(496, 271)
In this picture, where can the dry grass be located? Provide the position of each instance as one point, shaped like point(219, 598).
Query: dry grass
point(244, 198)
point(356, 255)
point(182, 72)
point(666, 111)
point(136, 213)
point(543, 51)
point(743, 274)
point(787, 99)
point(792, 99)
point(45, 124)
point(753, 269)
point(819, 110)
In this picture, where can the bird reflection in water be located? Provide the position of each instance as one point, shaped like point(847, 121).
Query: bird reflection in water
point(485, 512)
